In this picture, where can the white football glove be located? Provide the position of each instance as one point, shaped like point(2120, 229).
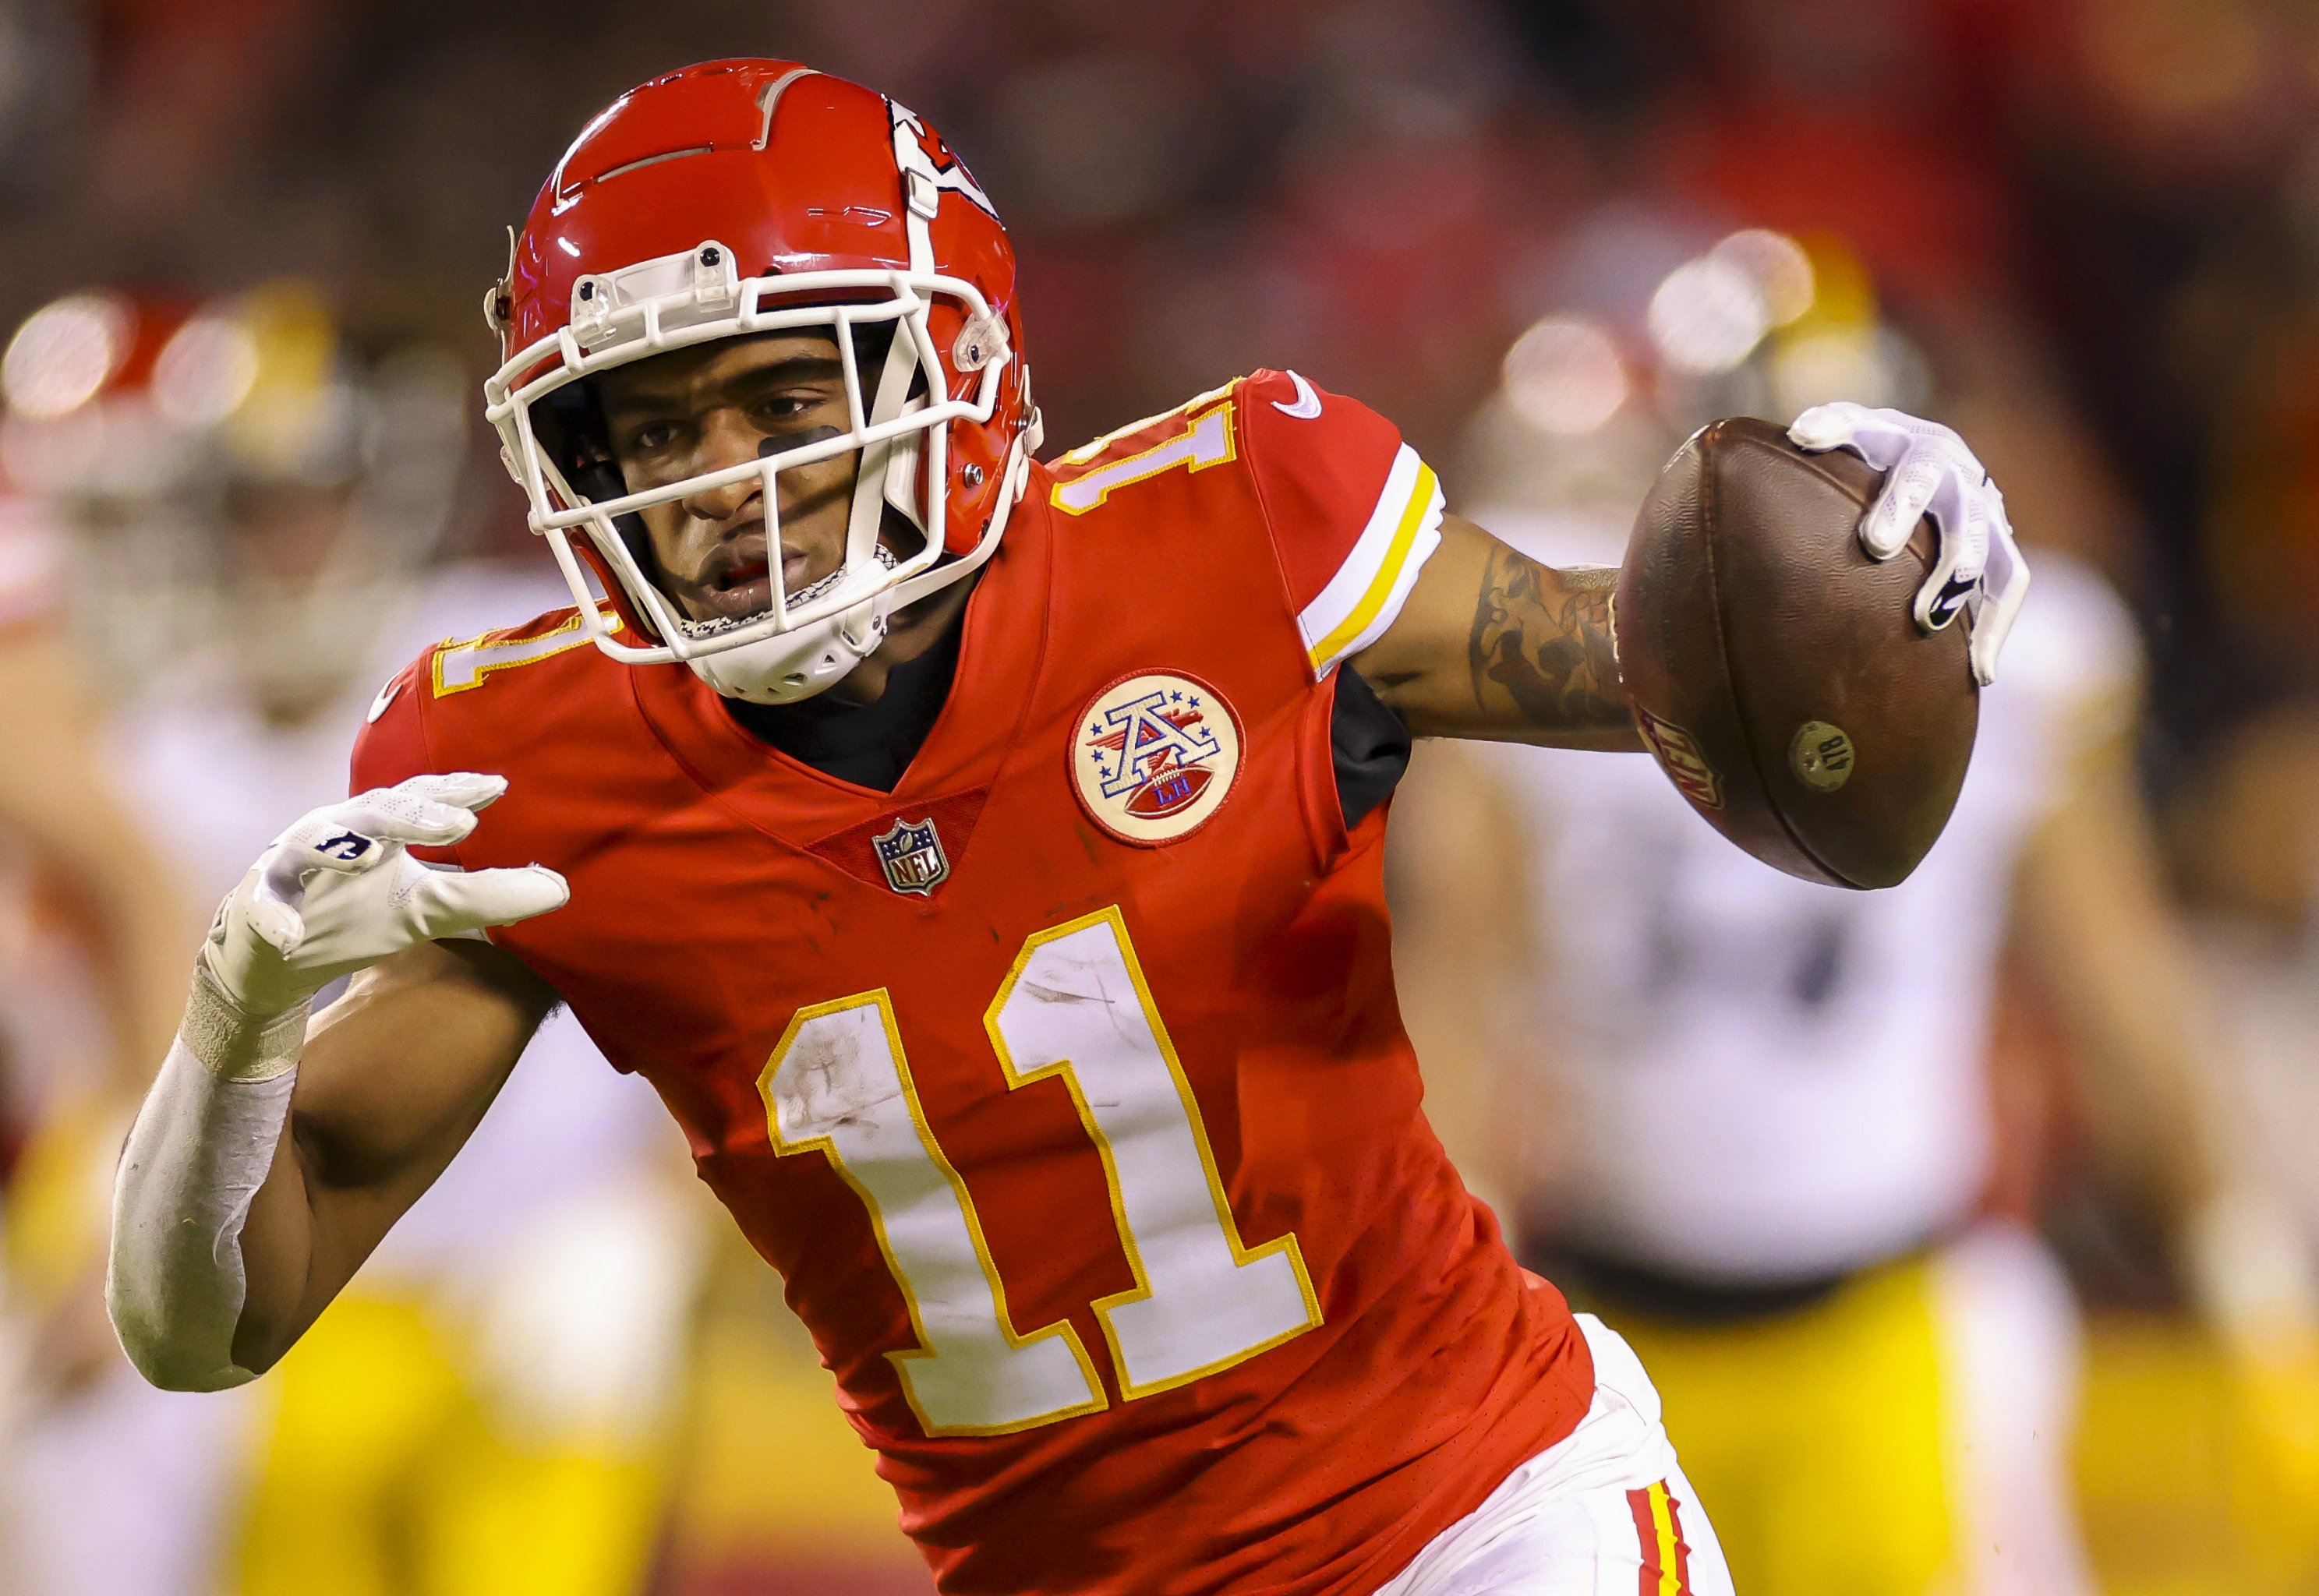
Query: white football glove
point(1929, 472)
point(339, 890)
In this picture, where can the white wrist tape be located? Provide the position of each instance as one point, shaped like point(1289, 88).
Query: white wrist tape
point(201, 1148)
point(235, 1045)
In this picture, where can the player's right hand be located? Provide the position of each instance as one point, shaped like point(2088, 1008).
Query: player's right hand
point(1976, 569)
point(339, 890)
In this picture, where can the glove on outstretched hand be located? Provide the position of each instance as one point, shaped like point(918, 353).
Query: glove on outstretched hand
point(339, 890)
point(1928, 472)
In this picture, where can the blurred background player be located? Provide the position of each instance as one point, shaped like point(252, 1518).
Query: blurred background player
point(253, 522)
point(105, 1482)
point(88, 909)
point(1755, 1126)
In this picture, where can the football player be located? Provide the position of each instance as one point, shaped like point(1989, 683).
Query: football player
point(234, 467)
point(982, 858)
point(510, 1352)
point(1773, 1124)
point(1768, 1123)
point(66, 829)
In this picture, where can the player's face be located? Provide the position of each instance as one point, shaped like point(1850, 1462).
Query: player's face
point(696, 410)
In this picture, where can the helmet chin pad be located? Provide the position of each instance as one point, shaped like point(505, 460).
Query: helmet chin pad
point(809, 659)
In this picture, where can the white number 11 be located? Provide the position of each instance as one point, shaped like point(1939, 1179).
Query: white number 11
point(1074, 1005)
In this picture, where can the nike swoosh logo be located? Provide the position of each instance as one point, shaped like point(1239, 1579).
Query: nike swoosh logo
point(1308, 405)
point(1954, 592)
point(385, 697)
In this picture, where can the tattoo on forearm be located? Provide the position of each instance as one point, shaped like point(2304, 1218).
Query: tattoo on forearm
point(1543, 639)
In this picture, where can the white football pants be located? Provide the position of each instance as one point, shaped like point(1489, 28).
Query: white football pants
point(1605, 1511)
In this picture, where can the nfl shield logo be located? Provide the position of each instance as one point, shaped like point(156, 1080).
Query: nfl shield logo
point(911, 854)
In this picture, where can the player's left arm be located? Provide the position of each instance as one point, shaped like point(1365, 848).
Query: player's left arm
point(1492, 644)
point(2090, 911)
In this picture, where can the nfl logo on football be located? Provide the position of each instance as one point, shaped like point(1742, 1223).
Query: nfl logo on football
point(911, 854)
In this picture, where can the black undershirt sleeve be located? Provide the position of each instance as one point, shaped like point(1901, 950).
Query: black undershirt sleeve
point(1370, 745)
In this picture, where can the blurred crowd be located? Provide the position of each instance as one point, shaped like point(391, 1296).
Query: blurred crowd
point(243, 476)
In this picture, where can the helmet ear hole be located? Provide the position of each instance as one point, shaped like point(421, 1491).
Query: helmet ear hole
point(871, 339)
point(571, 428)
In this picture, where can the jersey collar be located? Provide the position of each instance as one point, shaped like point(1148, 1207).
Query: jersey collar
point(999, 654)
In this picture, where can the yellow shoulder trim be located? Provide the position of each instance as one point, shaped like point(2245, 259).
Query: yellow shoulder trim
point(461, 666)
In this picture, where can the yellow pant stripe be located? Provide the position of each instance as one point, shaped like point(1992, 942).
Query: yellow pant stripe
point(1670, 1552)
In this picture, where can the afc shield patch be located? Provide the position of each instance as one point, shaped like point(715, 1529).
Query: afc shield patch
point(912, 856)
point(1153, 756)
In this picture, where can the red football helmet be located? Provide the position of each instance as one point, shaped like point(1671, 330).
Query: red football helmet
point(749, 196)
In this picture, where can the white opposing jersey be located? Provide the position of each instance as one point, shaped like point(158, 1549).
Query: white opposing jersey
point(217, 782)
point(1772, 1079)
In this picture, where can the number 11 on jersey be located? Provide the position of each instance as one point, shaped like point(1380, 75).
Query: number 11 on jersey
point(1074, 1005)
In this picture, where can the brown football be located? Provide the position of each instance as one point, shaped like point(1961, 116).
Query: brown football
point(1774, 668)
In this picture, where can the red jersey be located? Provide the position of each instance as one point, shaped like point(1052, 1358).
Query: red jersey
point(1064, 1083)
